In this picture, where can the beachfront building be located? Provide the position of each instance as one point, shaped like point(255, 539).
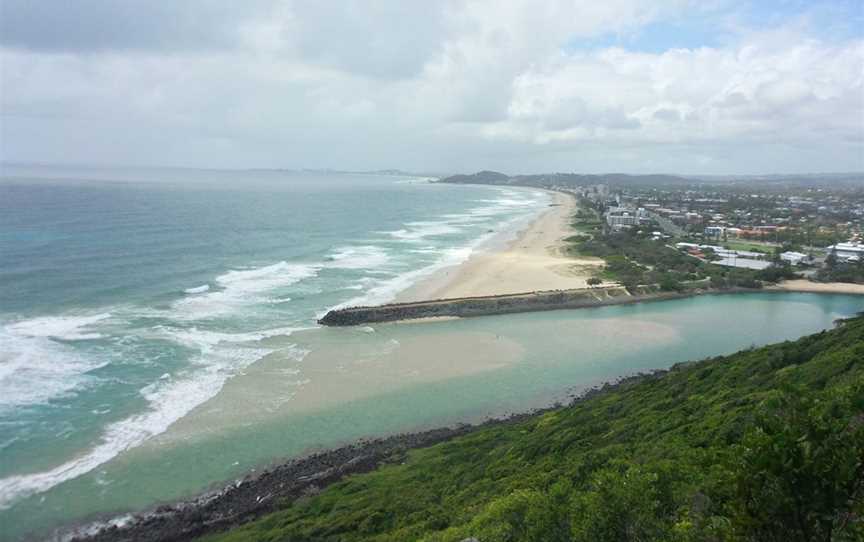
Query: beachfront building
point(795, 258)
point(848, 251)
point(726, 257)
point(618, 217)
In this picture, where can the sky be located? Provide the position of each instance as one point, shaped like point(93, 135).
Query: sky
point(671, 86)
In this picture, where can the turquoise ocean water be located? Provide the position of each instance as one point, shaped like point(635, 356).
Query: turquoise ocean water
point(129, 299)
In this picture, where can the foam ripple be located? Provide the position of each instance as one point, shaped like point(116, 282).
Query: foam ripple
point(67, 328)
point(35, 370)
point(197, 290)
point(36, 364)
point(358, 257)
point(241, 288)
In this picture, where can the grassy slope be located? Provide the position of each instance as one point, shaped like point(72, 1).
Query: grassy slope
point(657, 458)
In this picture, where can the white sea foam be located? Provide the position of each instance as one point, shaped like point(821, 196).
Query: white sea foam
point(205, 340)
point(417, 231)
point(218, 355)
point(198, 289)
point(359, 257)
point(35, 363)
point(261, 279)
point(67, 328)
point(386, 290)
point(222, 355)
point(508, 202)
point(92, 529)
point(241, 288)
point(34, 370)
point(277, 300)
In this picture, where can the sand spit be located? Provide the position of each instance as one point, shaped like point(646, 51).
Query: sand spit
point(802, 285)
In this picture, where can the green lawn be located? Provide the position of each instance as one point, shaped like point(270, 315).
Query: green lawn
point(750, 246)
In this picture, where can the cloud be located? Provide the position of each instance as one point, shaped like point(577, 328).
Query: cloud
point(424, 85)
point(130, 25)
point(389, 38)
point(751, 92)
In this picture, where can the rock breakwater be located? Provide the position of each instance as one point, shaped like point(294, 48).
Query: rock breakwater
point(498, 304)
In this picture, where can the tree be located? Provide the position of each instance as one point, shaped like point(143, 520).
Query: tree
point(801, 469)
point(669, 283)
point(831, 260)
point(624, 502)
point(595, 281)
point(710, 255)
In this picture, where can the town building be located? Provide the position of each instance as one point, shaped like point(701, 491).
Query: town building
point(795, 258)
point(618, 217)
point(847, 251)
point(715, 231)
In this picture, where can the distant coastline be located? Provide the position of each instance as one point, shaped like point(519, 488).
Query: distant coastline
point(532, 273)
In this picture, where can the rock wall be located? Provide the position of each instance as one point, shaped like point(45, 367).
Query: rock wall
point(500, 304)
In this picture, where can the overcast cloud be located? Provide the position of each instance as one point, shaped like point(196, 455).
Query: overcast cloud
point(717, 86)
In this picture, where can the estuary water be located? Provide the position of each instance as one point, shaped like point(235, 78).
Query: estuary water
point(157, 328)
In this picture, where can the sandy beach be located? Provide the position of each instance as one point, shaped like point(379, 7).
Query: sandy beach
point(534, 260)
point(802, 285)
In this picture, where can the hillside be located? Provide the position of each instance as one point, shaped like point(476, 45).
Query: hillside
point(766, 444)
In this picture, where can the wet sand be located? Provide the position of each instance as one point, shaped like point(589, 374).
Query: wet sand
point(534, 260)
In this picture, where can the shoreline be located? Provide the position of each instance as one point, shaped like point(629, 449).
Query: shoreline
point(533, 260)
point(257, 494)
point(806, 286)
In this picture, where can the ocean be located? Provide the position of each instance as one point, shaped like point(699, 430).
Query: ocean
point(128, 297)
point(158, 336)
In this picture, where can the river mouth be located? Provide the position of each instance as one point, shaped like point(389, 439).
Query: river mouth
point(393, 378)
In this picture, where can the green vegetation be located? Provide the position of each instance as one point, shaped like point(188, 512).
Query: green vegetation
point(587, 223)
point(633, 258)
point(778, 271)
point(763, 445)
point(837, 271)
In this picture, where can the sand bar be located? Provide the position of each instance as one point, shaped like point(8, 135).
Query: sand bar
point(534, 260)
point(802, 285)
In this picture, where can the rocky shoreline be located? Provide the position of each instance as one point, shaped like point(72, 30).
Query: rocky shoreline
point(258, 494)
